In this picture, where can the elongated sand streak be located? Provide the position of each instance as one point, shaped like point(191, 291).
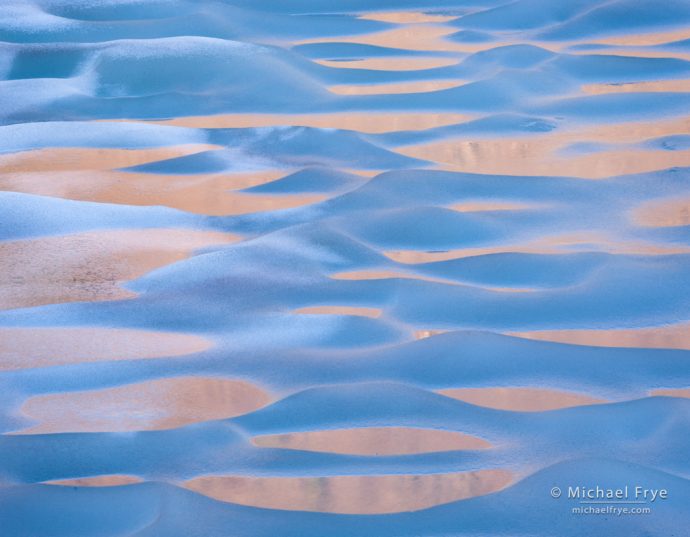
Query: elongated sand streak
point(339, 310)
point(85, 158)
point(209, 194)
point(406, 17)
point(24, 348)
point(91, 266)
point(663, 213)
point(413, 63)
point(370, 494)
point(97, 481)
point(368, 122)
point(372, 441)
point(675, 336)
point(520, 399)
point(157, 404)
point(422, 86)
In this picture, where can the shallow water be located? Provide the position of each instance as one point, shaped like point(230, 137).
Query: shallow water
point(315, 267)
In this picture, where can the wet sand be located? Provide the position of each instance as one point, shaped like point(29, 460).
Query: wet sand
point(423, 334)
point(558, 244)
point(57, 159)
point(339, 310)
point(97, 481)
point(678, 392)
point(24, 348)
point(370, 494)
point(547, 153)
point(413, 63)
point(91, 266)
point(359, 275)
point(538, 155)
point(374, 441)
point(663, 337)
point(368, 122)
point(395, 88)
point(406, 17)
point(520, 399)
point(152, 405)
point(664, 213)
point(209, 194)
point(417, 37)
point(645, 39)
point(363, 275)
point(682, 86)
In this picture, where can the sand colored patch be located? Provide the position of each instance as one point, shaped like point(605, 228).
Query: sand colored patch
point(644, 39)
point(664, 213)
point(374, 441)
point(362, 173)
point(556, 244)
point(412, 63)
point(91, 266)
point(84, 158)
point(630, 132)
point(23, 348)
point(201, 194)
point(423, 334)
point(682, 86)
point(633, 52)
point(114, 480)
point(537, 155)
point(158, 404)
point(482, 206)
point(676, 336)
point(430, 37)
point(233, 203)
point(417, 37)
point(603, 243)
point(392, 274)
point(520, 399)
point(385, 275)
point(420, 86)
point(371, 275)
point(541, 154)
point(416, 257)
point(423, 37)
point(351, 494)
point(369, 122)
point(340, 310)
point(672, 392)
point(406, 17)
